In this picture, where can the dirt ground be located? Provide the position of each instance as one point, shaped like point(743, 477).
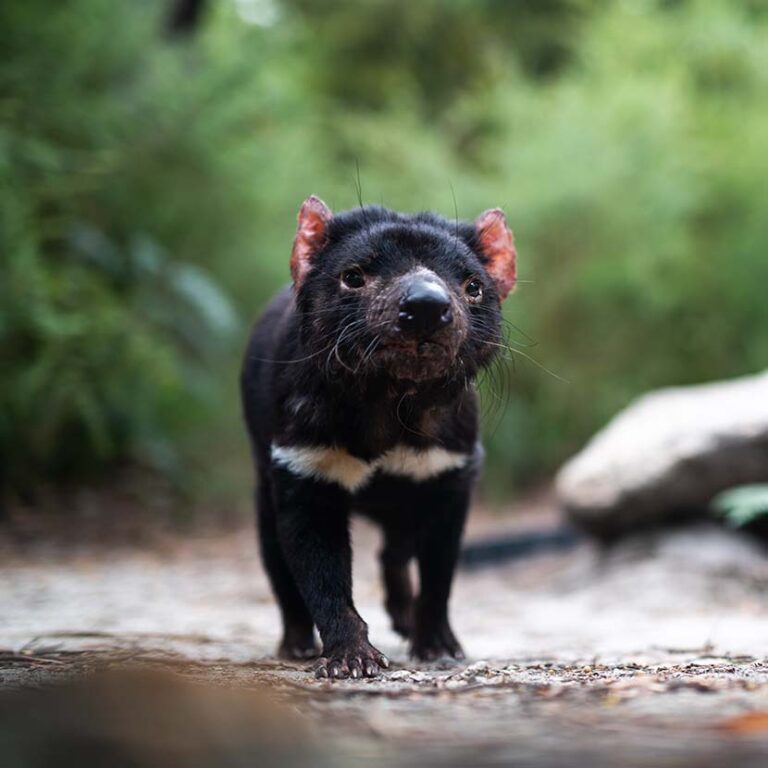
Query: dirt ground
point(653, 653)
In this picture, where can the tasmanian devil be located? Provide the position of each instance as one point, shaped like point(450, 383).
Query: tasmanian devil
point(358, 397)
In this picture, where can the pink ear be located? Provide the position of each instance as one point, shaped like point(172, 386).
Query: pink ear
point(497, 249)
point(314, 216)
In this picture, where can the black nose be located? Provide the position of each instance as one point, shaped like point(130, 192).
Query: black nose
point(424, 308)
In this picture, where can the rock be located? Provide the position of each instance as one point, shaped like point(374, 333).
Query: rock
point(479, 667)
point(665, 456)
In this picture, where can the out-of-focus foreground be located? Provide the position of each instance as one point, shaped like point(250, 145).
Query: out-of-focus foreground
point(151, 175)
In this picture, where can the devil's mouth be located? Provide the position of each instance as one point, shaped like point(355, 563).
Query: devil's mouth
point(415, 360)
point(426, 348)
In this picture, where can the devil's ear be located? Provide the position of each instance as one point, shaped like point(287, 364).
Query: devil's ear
point(311, 234)
point(497, 249)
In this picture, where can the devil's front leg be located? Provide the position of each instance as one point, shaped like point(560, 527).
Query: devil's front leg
point(313, 529)
point(443, 512)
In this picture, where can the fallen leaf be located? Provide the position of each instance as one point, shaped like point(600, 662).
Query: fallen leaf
point(751, 722)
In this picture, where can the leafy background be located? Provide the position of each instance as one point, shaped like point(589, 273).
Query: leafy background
point(149, 182)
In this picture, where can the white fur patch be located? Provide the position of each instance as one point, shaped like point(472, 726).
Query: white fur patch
point(324, 463)
point(420, 464)
point(338, 466)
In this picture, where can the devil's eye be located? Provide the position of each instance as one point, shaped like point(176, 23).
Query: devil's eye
point(474, 288)
point(353, 277)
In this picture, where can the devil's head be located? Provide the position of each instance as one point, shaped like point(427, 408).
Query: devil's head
point(408, 298)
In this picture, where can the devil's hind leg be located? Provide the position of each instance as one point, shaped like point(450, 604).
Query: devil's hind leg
point(443, 509)
point(396, 555)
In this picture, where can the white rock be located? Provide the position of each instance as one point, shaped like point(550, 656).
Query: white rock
point(668, 454)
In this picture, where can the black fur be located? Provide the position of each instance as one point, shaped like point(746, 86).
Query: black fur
point(327, 366)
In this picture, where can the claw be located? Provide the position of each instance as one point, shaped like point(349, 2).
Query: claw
point(338, 669)
point(371, 669)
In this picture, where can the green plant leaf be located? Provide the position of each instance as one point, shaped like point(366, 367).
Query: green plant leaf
point(742, 505)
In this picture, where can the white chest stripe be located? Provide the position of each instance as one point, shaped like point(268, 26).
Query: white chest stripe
point(338, 466)
point(333, 464)
point(420, 464)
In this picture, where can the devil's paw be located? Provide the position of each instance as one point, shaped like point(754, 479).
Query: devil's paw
point(356, 659)
point(436, 642)
point(298, 644)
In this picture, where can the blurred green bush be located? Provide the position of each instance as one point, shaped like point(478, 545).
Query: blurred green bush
point(148, 189)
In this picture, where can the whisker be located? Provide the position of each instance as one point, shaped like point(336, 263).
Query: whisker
point(354, 325)
point(410, 429)
point(528, 357)
point(288, 362)
point(519, 330)
point(368, 352)
point(480, 322)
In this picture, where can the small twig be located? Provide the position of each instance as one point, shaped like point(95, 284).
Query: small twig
point(126, 635)
point(27, 658)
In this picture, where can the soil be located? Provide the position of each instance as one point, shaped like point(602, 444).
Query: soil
point(652, 653)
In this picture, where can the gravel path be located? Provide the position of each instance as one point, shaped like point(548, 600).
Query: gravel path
point(657, 649)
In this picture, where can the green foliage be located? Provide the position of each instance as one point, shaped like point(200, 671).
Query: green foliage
point(740, 506)
point(110, 314)
point(148, 190)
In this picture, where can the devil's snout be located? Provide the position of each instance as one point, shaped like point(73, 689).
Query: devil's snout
point(425, 307)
